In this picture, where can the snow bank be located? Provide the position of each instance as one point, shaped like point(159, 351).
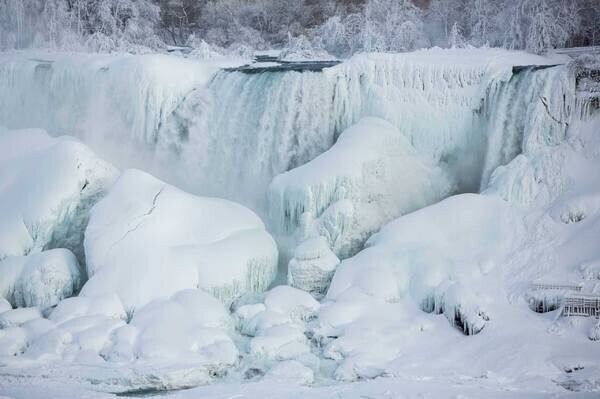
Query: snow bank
point(47, 186)
point(147, 240)
point(373, 170)
point(40, 279)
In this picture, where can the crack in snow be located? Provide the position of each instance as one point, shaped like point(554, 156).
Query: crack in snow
point(142, 217)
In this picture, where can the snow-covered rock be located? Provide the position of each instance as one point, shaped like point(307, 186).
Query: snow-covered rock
point(192, 325)
point(47, 186)
point(103, 305)
point(18, 317)
point(372, 174)
point(147, 240)
point(280, 342)
point(292, 302)
point(291, 371)
point(41, 279)
point(312, 266)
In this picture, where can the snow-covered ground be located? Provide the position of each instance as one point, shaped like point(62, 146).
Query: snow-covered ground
point(400, 283)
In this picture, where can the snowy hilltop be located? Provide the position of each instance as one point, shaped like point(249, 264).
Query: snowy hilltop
point(424, 223)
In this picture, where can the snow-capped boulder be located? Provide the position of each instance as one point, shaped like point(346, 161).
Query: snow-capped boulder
point(191, 325)
point(371, 175)
point(148, 240)
point(102, 305)
point(47, 186)
point(281, 342)
point(312, 266)
point(41, 279)
point(291, 371)
point(18, 317)
point(296, 304)
point(12, 341)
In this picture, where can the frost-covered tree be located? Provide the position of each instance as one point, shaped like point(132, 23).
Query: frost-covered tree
point(393, 25)
point(340, 27)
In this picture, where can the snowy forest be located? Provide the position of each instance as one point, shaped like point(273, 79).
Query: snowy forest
point(318, 27)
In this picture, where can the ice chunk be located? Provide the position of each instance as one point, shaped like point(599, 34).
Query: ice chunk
point(373, 165)
point(197, 242)
point(313, 266)
point(47, 186)
point(40, 279)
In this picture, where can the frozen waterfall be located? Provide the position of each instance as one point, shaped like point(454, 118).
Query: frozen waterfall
point(229, 133)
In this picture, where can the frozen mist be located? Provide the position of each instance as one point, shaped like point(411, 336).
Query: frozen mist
point(417, 198)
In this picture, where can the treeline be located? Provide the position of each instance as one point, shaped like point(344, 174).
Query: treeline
point(338, 27)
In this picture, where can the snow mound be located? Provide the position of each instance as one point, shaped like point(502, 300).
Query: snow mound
point(47, 186)
point(41, 279)
point(371, 175)
point(312, 266)
point(195, 242)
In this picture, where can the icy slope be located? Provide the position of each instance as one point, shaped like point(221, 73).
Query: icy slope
point(147, 240)
point(47, 186)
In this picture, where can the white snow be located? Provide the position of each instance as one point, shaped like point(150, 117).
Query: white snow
point(41, 279)
point(47, 186)
point(147, 240)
